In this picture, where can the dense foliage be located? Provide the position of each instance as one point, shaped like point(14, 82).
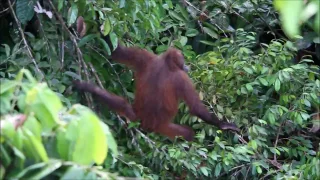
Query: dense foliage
point(246, 68)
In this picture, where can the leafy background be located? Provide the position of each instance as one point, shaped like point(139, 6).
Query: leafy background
point(255, 62)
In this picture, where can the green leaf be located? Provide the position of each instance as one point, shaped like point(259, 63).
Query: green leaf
point(105, 46)
point(220, 108)
point(24, 10)
point(248, 70)
point(263, 81)
point(60, 5)
point(310, 10)
point(317, 24)
point(307, 103)
point(183, 40)
point(204, 171)
point(161, 48)
point(259, 170)
point(34, 126)
point(290, 12)
point(106, 27)
point(122, 3)
point(73, 172)
point(91, 143)
point(39, 44)
point(2, 171)
point(47, 113)
point(7, 86)
point(169, 3)
point(192, 32)
point(72, 14)
point(304, 116)
point(210, 32)
point(114, 40)
point(175, 15)
point(62, 144)
point(86, 39)
point(217, 170)
point(110, 139)
point(254, 144)
point(271, 118)
point(7, 49)
point(35, 146)
point(277, 85)
point(249, 87)
point(208, 43)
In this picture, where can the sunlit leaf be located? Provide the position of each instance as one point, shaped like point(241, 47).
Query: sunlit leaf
point(204, 171)
point(34, 146)
point(277, 85)
point(290, 12)
point(47, 113)
point(91, 144)
point(72, 14)
point(106, 27)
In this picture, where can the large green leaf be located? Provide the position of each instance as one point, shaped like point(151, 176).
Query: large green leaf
point(45, 105)
point(24, 10)
point(91, 143)
point(290, 12)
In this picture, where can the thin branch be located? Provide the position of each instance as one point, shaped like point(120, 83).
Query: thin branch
point(25, 40)
point(62, 52)
point(247, 172)
point(276, 142)
point(3, 11)
point(95, 75)
point(269, 173)
point(134, 140)
point(204, 14)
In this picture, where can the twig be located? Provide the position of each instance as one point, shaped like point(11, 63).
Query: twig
point(134, 140)
point(204, 14)
point(243, 18)
point(25, 40)
point(95, 75)
point(276, 142)
point(242, 140)
point(3, 11)
point(62, 52)
point(247, 172)
point(269, 173)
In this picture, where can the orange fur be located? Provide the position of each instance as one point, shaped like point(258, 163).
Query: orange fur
point(161, 83)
